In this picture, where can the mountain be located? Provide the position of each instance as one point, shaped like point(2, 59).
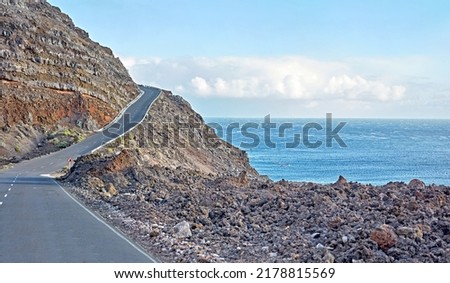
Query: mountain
point(56, 83)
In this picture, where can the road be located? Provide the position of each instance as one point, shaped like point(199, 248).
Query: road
point(41, 222)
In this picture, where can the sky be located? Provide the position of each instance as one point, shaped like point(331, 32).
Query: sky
point(289, 58)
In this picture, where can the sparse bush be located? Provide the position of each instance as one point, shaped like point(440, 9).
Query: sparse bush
point(80, 137)
point(51, 135)
point(67, 133)
point(62, 144)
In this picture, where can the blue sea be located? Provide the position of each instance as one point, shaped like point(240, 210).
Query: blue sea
point(376, 151)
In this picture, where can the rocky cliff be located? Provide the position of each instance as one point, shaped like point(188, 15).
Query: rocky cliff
point(174, 138)
point(53, 78)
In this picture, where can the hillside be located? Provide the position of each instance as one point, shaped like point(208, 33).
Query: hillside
point(54, 80)
point(188, 201)
point(174, 138)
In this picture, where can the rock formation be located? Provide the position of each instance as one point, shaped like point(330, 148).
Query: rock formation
point(53, 77)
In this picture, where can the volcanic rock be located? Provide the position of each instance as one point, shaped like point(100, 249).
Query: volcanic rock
point(384, 236)
point(53, 78)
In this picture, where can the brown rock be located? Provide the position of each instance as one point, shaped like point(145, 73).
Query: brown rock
point(341, 182)
point(413, 205)
point(384, 236)
point(155, 233)
point(416, 184)
point(242, 179)
point(53, 77)
point(415, 232)
point(336, 222)
point(111, 189)
point(96, 183)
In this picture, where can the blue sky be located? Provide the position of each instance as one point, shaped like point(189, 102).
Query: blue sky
point(375, 59)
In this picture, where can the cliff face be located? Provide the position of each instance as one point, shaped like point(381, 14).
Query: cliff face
point(173, 138)
point(53, 77)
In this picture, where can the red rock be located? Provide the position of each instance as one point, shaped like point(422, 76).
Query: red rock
point(384, 236)
point(53, 77)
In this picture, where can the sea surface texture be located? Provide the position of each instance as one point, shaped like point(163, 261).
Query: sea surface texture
point(376, 151)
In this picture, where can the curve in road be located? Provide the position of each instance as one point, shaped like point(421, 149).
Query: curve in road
point(41, 222)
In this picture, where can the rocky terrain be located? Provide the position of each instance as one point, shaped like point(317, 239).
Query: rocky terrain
point(171, 184)
point(53, 78)
point(198, 203)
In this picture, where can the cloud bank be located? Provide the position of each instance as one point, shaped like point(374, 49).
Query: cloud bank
point(294, 77)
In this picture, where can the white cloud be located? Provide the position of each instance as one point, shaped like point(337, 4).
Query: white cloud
point(359, 88)
point(200, 86)
point(221, 86)
point(292, 77)
point(130, 62)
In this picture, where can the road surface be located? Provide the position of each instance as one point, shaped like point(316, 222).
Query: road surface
point(41, 222)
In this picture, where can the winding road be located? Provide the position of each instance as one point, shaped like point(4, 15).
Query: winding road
point(41, 222)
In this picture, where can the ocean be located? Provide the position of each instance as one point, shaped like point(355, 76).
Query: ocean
point(371, 151)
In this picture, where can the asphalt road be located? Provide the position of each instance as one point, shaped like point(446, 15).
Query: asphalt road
point(41, 222)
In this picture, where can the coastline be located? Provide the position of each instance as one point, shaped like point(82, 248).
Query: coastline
point(190, 202)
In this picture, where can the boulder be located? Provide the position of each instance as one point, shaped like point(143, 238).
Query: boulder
point(341, 182)
point(182, 230)
point(384, 236)
point(416, 184)
point(95, 183)
point(111, 189)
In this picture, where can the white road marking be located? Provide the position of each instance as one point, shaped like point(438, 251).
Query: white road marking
point(1, 203)
point(47, 175)
point(6, 195)
point(9, 189)
point(107, 225)
point(12, 185)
